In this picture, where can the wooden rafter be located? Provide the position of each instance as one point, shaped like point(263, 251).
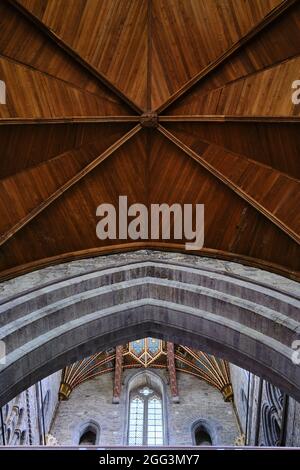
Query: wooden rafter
point(227, 118)
point(71, 120)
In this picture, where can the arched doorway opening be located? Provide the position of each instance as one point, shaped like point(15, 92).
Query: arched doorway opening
point(202, 438)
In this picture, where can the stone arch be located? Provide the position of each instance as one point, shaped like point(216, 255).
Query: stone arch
point(244, 315)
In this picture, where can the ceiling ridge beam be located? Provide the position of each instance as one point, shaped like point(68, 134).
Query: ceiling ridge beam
point(249, 199)
point(268, 19)
point(71, 182)
point(72, 53)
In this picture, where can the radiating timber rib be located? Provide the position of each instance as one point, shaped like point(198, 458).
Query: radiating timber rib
point(70, 120)
point(291, 233)
point(268, 19)
point(81, 174)
point(226, 117)
point(149, 54)
point(60, 43)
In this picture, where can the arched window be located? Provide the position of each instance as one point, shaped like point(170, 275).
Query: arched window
point(145, 418)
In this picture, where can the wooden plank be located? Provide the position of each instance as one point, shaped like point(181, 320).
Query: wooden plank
point(266, 93)
point(108, 38)
point(64, 187)
point(229, 181)
point(32, 94)
point(270, 15)
point(45, 56)
point(26, 146)
point(259, 54)
point(274, 144)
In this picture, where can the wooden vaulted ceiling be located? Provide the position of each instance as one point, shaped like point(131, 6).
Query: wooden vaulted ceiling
point(160, 100)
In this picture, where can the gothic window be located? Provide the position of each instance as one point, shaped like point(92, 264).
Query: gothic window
point(145, 418)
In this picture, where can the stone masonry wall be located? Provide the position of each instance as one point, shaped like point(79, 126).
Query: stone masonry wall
point(92, 401)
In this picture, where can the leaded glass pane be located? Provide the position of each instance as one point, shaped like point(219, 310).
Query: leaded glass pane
point(136, 421)
point(155, 422)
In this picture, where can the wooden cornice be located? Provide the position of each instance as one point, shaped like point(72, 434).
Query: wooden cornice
point(266, 21)
point(60, 43)
point(160, 246)
point(81, 174)
point(215, 172)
